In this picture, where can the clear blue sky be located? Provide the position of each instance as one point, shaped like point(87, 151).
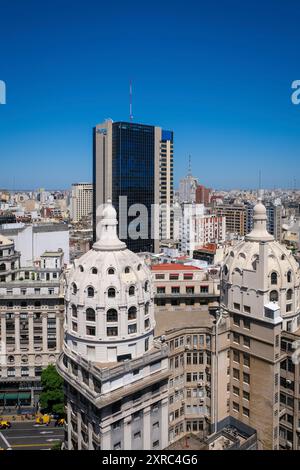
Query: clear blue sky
point(218, 73)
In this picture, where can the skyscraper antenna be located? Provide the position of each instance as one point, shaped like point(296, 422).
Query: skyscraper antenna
point(190, 166)
point(130, 101)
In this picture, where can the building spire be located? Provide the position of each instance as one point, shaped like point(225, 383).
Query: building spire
point(259, 232)
point(109, 240)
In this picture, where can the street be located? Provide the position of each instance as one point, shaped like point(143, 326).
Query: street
point(30, 436)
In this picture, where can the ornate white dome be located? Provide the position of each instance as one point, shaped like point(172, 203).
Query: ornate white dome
point(260, 270)
point(109, 299)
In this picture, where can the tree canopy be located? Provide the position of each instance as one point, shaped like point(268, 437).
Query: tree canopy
point(52, 396)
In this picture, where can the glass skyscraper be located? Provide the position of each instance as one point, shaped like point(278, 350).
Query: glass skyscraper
point(133, 165)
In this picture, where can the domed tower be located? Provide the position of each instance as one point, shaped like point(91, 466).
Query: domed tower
point(260, 293)
point(110, 356)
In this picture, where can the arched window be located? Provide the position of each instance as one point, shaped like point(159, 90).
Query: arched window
point(289, 294)
point(74, 311)
point(225, 270)
point(273, 278)
point(2, 267)
point(111, 271)
point(274, 296)
point(132, 313)
point(146, 286)
point(146, 308)
point(289, 276)
point(139, 267)
point(112, 315)
point(131, 290)
point(74, 288)
point(81, 269)
point(127, 270)
point(94, 271)
point(111, 292)
point(90, 314)
point(90, 292)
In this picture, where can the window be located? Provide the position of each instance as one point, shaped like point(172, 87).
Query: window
point(188, 276)
point(236, 320)
point(190, 290)
point(289, 276)
point(289, 294)
point(112, 315)
point(175, 290)
point(112, 331)
point(146, 344)
point(132, 313)
point(236, 374)
point(146, 286)
point(94, 270)
point(236, 306)
point(146, 308)
point(91, 331)
point(137, 435)
point(81, 269)
point(74, 311)
point(161, 290)
point(235, 406)
point(74, 288)
point(236, 356)
point(236, 338)
point(111, 292)
point(111, 271)
point(236, 391)
point(246, 378)
point(246, 360)
point(127, 270)
point(147, 323)
point(274, 296)
point(90, 292)
point(246, 341)
point(90, 315)
point(159, 276)
point(246, 395)
point(204, 289)
point(246, 412)
point(247, 309)
point(288, 308)
point(132, 328)
point(273, 279)
point(246, 323)
point(131, 290)
point(74, 326)
point(117, 446)
point(174, 277)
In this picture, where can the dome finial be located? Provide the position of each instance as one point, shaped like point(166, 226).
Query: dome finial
point(108, 239)
point(259, 232)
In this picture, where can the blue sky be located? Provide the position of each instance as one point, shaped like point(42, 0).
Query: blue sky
point(218, 73)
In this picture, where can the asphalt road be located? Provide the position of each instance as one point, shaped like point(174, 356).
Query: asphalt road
point(30, 436)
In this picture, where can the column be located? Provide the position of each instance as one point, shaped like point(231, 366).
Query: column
point(45, 332)
point(127, 433)
point(30, 332)
point(147, 444)
point(58, 332)
point(17, 333)
point(106, 438)
point(164, 424)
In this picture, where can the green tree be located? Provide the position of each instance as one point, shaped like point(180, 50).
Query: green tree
point(52, 396)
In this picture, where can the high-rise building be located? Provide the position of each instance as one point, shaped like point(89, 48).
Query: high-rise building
point(203, 195)
point(235, 215)
point(81, 200)
point(133, 165)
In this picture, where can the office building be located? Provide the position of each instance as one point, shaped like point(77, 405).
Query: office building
point(81, 201)
point(133, 165)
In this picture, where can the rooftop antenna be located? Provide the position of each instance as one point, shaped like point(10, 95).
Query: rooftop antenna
point(130, 101)
point(190, 166)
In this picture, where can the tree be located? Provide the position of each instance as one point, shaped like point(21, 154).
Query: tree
point(52, 396)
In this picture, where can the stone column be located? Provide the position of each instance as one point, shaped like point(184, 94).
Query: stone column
point(106, 438)
point(127, 433)
point(30, 332)
point(45, 332)
point(164, 424)
point(147, 444)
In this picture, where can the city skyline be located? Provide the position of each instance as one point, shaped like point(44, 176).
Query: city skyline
point(229, 104)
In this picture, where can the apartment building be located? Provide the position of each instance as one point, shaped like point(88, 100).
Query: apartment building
point(235, 216)
point(81, 201)
point(31, 322)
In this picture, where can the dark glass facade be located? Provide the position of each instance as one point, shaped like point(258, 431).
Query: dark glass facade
point(133, 173)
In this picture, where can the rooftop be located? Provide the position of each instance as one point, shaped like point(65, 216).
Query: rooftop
point(173, 267)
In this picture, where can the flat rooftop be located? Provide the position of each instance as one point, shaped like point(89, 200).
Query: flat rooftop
point(169, 320)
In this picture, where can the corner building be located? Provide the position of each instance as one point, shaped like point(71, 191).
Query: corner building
point(115, 373)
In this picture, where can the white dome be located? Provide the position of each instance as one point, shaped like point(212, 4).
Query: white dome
point(109, 299)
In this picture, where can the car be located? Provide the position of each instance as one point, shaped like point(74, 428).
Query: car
point(5, 424)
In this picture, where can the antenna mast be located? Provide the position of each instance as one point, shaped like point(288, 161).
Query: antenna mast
point(130, 101)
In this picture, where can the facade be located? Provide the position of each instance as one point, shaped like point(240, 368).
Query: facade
point(32, 240)
point(135, 161)
point(198, 228)
point(115, 374)
point(203, 195)
point(260, 294)
point(81, 201)
point(31, 322)
point(235, 216)
point(187, 189)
